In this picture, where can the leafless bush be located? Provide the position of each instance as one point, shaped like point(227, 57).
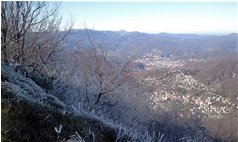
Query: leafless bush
point(30, 33)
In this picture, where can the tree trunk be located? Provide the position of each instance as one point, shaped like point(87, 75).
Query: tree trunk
point(99, 97)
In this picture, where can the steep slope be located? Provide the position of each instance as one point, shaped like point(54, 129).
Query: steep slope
point(30, 114)
point(223, 72)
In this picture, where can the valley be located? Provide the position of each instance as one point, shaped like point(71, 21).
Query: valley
point(174, 88)
point(124, 79)
point(181, 76)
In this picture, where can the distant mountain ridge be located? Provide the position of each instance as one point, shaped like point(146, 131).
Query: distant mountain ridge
point(137, 43)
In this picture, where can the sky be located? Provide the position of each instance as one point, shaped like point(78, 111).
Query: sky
point(154, 17)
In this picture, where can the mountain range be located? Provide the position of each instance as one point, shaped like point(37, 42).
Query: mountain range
point(138, 44)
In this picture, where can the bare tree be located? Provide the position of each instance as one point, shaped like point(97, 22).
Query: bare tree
point(30, 33)
point(97, 72)
point(85, 72)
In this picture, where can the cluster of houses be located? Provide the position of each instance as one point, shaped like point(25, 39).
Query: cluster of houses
point(153, 60)
point(209, 103)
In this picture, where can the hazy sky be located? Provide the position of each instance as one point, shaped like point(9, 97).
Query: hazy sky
point(154, 17)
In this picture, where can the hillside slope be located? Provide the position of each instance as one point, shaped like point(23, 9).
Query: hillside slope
point(30, 114)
